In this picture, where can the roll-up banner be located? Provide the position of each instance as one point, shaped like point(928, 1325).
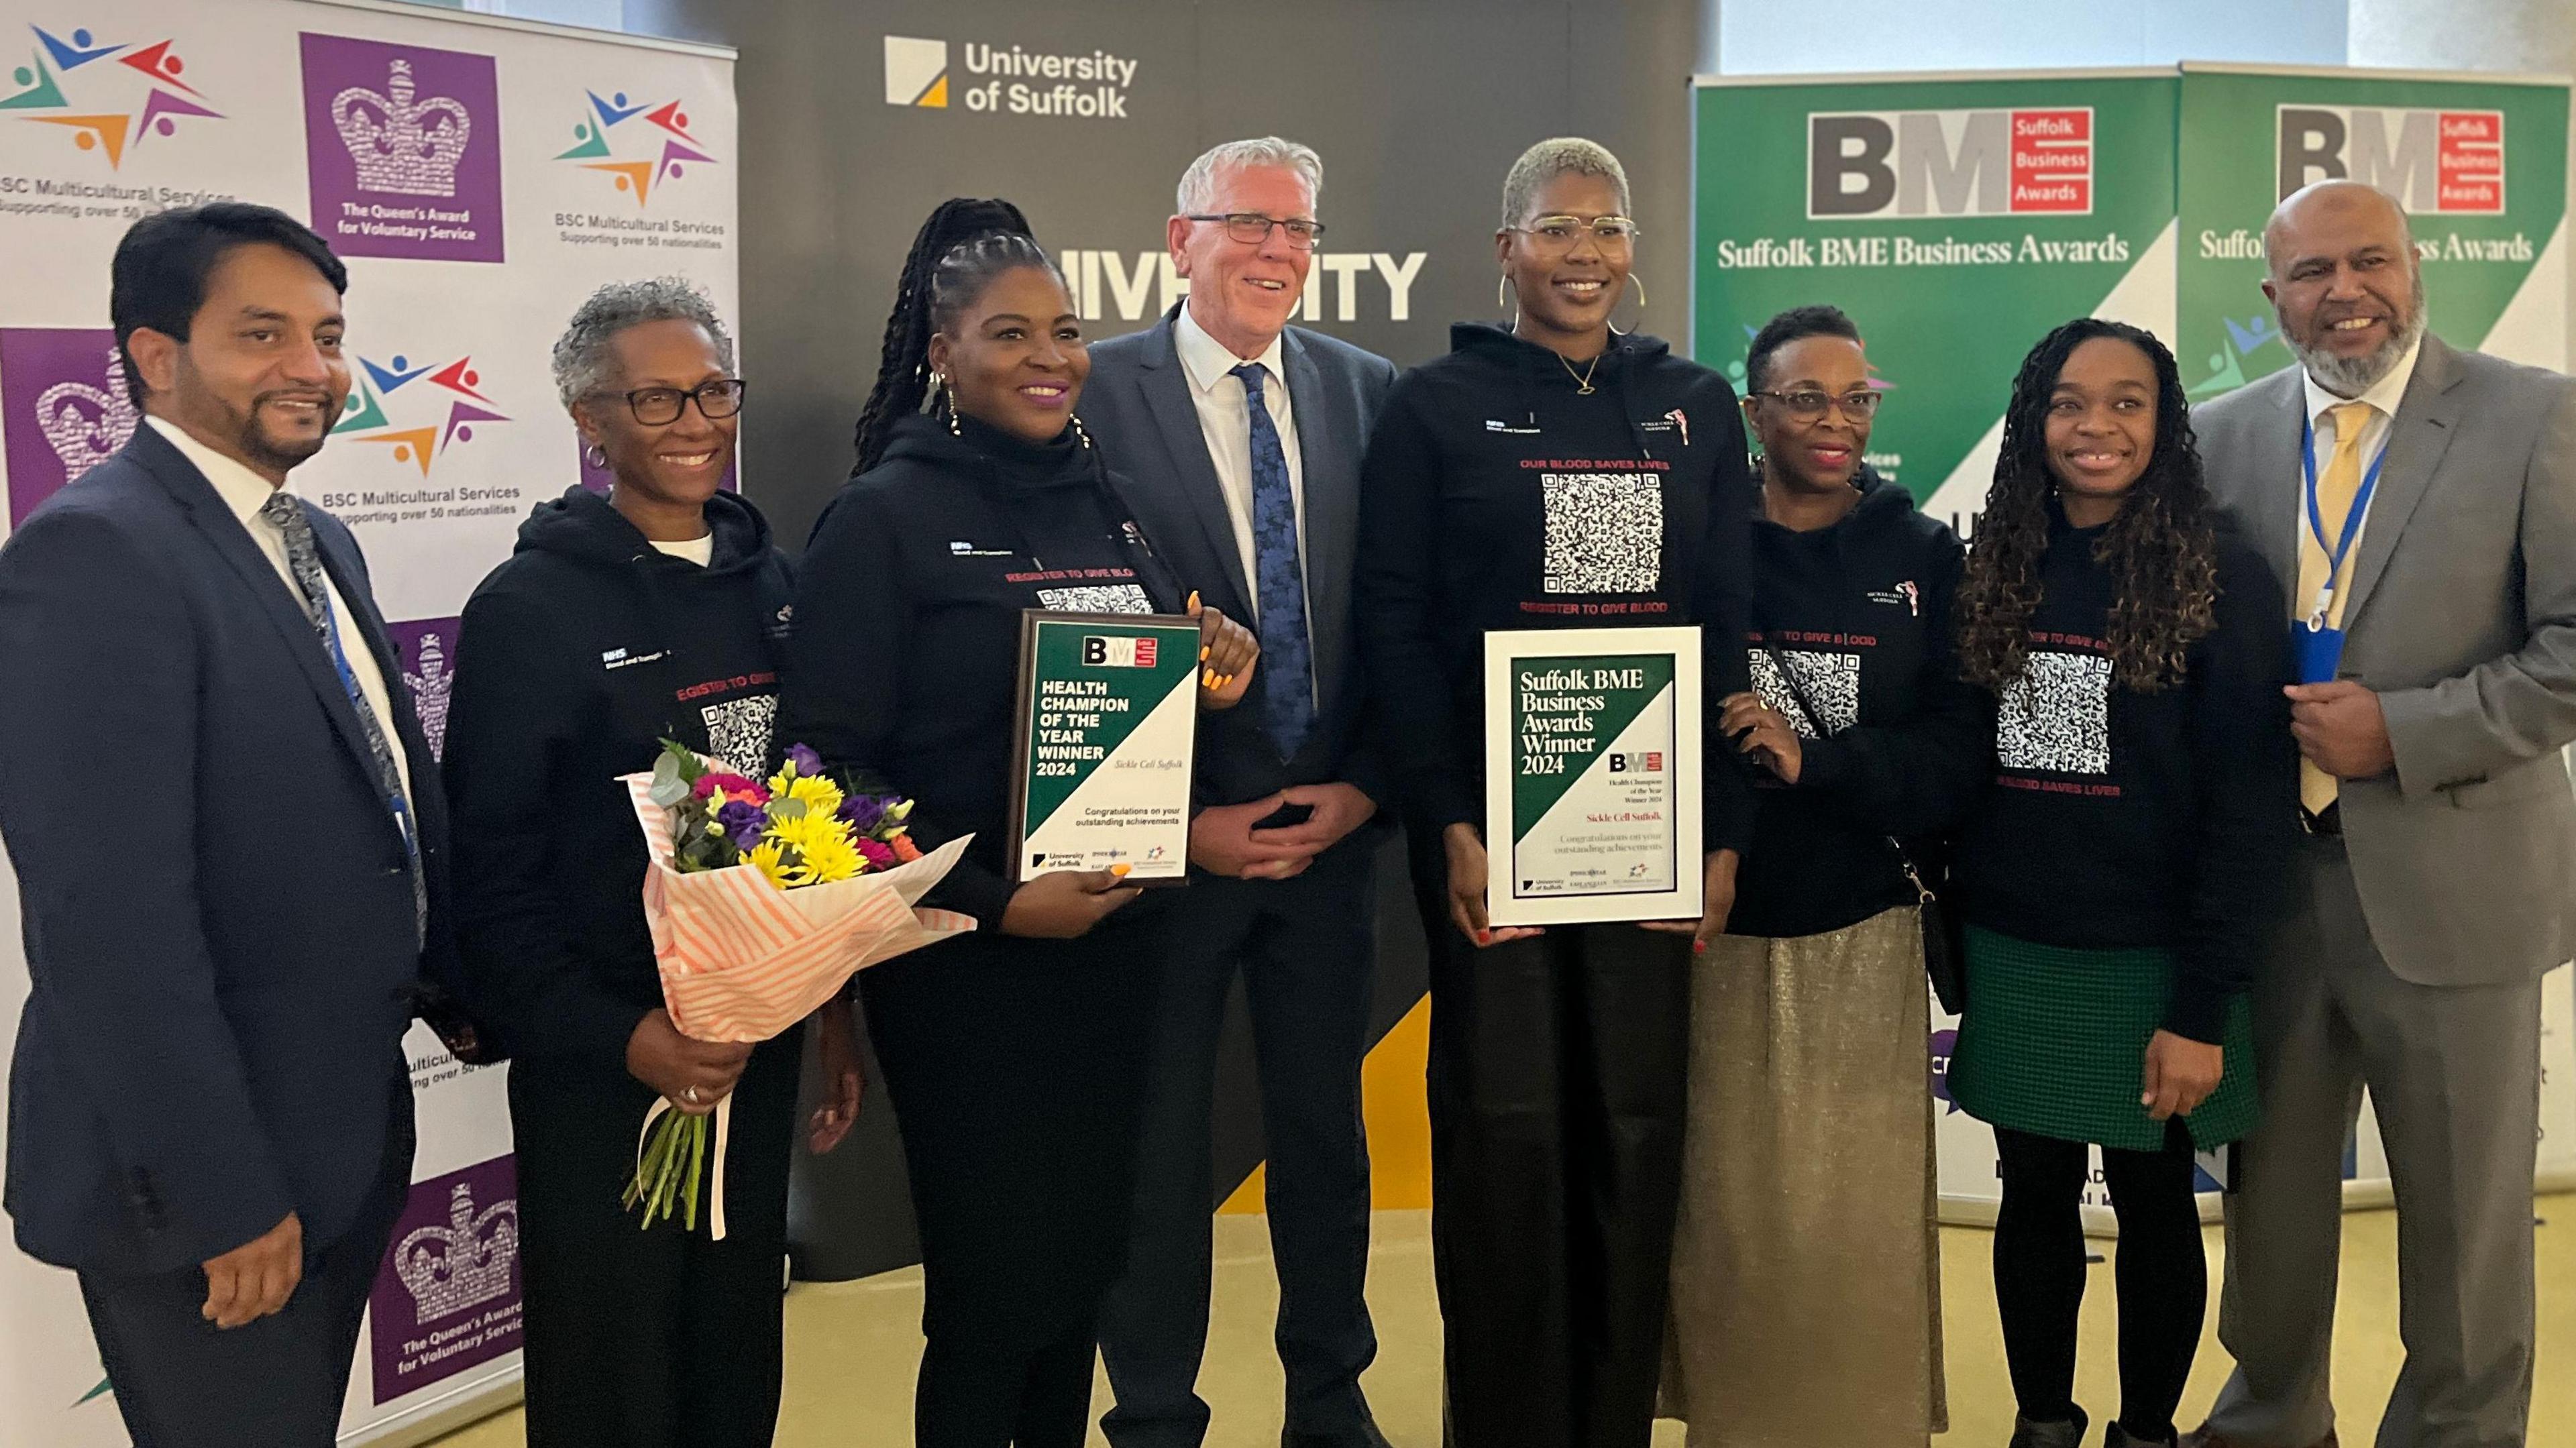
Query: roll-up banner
point(1958, 218)
point(480, 177)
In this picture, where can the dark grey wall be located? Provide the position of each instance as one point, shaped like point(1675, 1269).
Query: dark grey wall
point(1417, 106)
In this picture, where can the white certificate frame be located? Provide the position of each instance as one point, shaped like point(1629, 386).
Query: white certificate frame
point(1542, 879)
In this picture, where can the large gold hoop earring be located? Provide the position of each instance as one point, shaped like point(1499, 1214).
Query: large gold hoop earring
point(1503, 298)
point(1641, 306)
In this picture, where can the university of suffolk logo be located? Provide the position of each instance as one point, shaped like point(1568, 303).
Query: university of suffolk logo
point(665, 149)
point(105, 109)
point(84, 423)
point(916, 72)
point(463, 1263)
point(375, 404)
point(403, 145)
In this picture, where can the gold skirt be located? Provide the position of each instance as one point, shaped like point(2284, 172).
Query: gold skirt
point(1806, 1294)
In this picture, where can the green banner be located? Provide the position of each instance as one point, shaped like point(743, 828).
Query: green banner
point(1109, 715)
point(1955, 220)
point(2480, 166)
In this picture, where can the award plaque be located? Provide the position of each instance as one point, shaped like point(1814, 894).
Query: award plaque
point(1108, 717)
point(1592, 775)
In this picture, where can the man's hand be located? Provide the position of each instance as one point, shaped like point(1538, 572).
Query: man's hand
point(691, 1074)
point(1763, 732)
point(2180, 1074)
point(1466, 851)
point(256, 1278)
point(1716, 902)
point(2340, 729)
point(1066, 903)
point(1222, 842)
point(1337, 809)
point(838, 1044)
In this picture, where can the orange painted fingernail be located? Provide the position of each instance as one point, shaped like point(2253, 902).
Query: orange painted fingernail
point(1194, 598)
point(1202, 653)
point(1207, 678)
point(1120, 869)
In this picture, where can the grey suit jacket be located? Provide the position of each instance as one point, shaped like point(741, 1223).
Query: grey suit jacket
point(2462, 618)
point(1138, 409)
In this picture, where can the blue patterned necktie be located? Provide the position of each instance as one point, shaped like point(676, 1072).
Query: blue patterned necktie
point(304, 561)
point(1287, 655)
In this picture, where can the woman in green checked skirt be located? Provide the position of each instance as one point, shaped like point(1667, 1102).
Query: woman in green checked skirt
point(2125, 862)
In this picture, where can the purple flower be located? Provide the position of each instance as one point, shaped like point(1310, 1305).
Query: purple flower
point(807, 762)
point(742, 821)
point(863, 812)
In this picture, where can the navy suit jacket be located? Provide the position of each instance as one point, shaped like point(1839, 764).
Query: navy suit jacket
point(1138, 409)
point(216, 909)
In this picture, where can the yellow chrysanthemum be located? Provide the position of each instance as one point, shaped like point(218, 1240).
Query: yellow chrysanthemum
point(830, 858)
point(821, 796)
point(821, 847)
point(769, 858)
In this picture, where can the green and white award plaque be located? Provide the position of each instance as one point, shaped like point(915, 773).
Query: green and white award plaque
point(1108, 719)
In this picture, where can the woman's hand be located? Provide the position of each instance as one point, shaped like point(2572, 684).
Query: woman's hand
point(1066, 903)
point(1466, 850)
point(1227, 651)
point(2181, 1072)
point(1716, 902)
point(691, 1074)
point(837, 1042)
point(1763, 732)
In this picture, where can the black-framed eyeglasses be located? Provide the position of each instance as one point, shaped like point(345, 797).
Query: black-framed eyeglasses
point(1809, 405)
point(661, 406)
point(1554, 235)
point(1252, 228)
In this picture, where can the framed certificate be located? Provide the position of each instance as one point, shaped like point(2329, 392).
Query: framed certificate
point(1108, 721)
point(1592, 775)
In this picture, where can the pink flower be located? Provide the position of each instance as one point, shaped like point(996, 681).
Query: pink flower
point(878, 855)
point(734, 786)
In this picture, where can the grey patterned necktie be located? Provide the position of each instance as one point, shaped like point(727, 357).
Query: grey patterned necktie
point(287, 511)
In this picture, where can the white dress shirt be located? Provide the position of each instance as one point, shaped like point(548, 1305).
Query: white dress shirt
point(1219, 397)
point(244, 491)
point(2382, 398)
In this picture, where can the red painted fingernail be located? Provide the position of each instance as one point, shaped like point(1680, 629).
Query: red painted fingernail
point(1484, 937)
point(1699, 947)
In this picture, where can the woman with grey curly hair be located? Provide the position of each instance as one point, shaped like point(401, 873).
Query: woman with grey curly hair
point(646, 603)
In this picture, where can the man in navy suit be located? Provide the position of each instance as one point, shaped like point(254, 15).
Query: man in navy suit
point(1243, 437)
point(228, 844)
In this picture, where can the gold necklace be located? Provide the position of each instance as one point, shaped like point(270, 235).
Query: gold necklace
point(1582, 379)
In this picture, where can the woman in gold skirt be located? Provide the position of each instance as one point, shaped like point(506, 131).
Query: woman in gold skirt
point(1805, 1286)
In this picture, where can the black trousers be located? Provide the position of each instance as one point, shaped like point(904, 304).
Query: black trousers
point(1016, 1071)
point(1306, 950)
point(2162, 1276)
point(182, 1382)
point(649, 1339)
point(1557, 1086)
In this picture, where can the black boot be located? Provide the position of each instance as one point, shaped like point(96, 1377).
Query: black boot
point(2116, 1436)
point(2059, 1433)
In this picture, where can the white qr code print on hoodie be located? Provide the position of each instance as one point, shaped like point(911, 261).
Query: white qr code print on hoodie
point(2057, 715)
point(1605, 532)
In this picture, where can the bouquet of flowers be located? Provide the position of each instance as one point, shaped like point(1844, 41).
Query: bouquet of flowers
point(764, 898)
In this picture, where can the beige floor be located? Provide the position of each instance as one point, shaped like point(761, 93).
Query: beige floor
point(851, 1347)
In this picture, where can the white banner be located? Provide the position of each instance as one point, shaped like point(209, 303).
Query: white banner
point(481, 177)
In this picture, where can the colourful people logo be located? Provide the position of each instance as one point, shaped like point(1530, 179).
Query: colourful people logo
point(2227, 370)
point(379, 399)
point(639, 159)
point(105, 109)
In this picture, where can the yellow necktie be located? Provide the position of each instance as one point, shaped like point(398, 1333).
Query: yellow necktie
point(2335, 490)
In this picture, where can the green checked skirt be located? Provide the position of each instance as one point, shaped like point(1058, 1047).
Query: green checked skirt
point(2054, 1043)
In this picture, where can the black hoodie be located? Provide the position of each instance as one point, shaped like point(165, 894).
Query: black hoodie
point(1499, 493)
point(574, 660)
point(902, 664)
point(1861, 611)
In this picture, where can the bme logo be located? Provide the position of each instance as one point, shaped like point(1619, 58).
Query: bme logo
point(2433, 162)
point(916, 72)
point(1101, 652)
point(1863, 164)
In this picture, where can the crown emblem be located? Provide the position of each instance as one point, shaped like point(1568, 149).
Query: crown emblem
point(430, 687)
point(86, 425)
point(402, 145)
point(463, 1264)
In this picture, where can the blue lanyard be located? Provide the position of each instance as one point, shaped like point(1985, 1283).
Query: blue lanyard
point(358, 699)
point(2337, 551)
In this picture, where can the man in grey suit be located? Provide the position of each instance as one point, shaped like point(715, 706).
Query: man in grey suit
point(1242, 436)
point(2432, 530)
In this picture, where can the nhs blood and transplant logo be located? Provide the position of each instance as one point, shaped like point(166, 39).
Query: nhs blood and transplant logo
point(63, 408)
point(108, 94)
point(641, 145)
point(417, 411)
point(403, 143)
point(447, 1295)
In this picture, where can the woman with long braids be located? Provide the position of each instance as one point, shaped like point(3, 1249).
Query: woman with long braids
point(1553, 472)
point(2119, 873)
point(1014, 1055)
